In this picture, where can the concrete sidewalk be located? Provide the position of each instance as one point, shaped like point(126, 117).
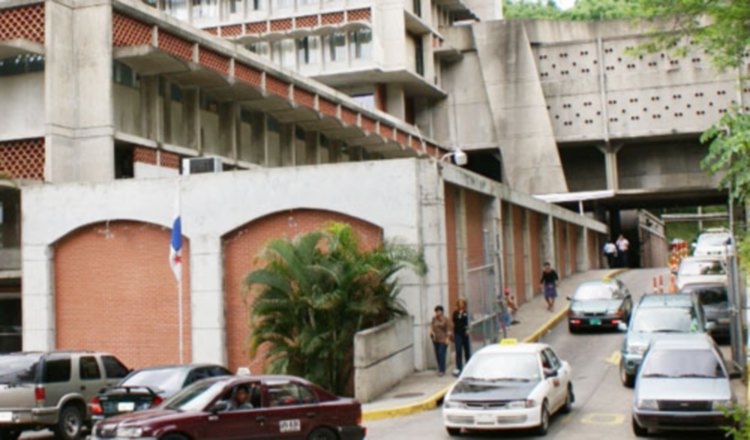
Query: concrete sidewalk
point(423, 390)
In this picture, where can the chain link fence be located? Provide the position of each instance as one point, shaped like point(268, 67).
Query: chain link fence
point(481, 296)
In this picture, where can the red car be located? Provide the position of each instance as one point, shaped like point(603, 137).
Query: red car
point(239, 408)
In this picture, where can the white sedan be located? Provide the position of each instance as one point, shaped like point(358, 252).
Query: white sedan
point(509, 386)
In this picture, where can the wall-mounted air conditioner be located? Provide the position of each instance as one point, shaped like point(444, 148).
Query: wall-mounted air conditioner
point(197, 165)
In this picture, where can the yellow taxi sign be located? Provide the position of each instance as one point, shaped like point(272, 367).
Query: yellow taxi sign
point(508, 341)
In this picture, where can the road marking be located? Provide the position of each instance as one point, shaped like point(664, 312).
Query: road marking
point(614, 358)
point(603, 419)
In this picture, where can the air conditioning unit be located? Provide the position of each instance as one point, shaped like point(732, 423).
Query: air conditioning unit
point(197, 165)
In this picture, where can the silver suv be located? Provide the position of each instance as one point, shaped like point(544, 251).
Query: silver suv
point(50, 390)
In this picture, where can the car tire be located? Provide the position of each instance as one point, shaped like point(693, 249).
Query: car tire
point(569, 398)
point(174, 437)
point(572, 328)
point(543, 427)
point(453, 432)
point(10, 435)
point(70, 423)
point(628, 380)
point(639, 430)
point(322, 434)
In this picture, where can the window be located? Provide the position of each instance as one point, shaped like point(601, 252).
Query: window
point(196, 375)
point(305, 3)
point(335, 47)
point(417, 7)
point(21, 64)
point(262, 49)
point(122, 74)
point(361, 44)
point(235, 7)
point(554, 361)
point(288, 394)
point(284, 4)
point(204, 9)
point(88, 368)
point(113, 368)
point(176, 8)
point(308, 51)
point(366, 101)
point(418, 56)
point(258, 5)
point(56, 370)
point(282, 52)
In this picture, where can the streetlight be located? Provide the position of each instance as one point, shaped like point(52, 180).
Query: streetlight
point(459, 157)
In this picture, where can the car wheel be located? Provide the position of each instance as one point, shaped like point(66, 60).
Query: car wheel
point(322, 434)
point(628, 380)
point(70, 423)
point(174, 437)
point(572, 328)
point(543, 421)
point(453, 432)
point(9, 435)
point(568, 407)
point(639, 430)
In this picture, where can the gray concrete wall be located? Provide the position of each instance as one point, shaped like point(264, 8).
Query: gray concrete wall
point(383, 356)
point(668, 165)
point(24, 94)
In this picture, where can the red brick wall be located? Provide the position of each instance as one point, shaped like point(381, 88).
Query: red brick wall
point(114, 291)
point(560, 254)
point(242, 246)
point(475, 204)
point(450, 240)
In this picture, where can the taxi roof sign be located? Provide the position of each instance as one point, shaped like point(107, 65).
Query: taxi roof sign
point(508, 341)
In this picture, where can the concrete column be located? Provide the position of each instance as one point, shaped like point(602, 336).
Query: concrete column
point(38, 318)
point(396, 101)
point(610, 165)
point(549, 243)
point(79, 122)
point(207, 328)
point(228, 126)
point(286, 144)
point(191, 118)
point(151, 111)
point(311, 144)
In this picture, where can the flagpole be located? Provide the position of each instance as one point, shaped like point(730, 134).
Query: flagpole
point(180, 329)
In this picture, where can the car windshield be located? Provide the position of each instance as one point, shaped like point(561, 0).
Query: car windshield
point(714, 240)
point(18, 368)
point(673, 363)
point(165, 380)
point(195, 397)
point(713, 296)
point(495, 367)
point(665, 320)
point(594, 292)
point(702, 267)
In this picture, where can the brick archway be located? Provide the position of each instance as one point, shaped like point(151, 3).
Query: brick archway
point(241, 246)
point(114, 291)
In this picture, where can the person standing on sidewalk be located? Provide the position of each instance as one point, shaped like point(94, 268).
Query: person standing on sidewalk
point(623, 245)
point(461, 334)
point(610, 251)
point(440, 334)
point(549, 285)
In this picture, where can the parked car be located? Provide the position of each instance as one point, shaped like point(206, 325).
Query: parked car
point(713, 242)
point(597, 304)
point(683, 385)
point(509, 387)
point(50, 390)
point(701, 270)
point(276, 407)
point(714, 300)
point(148, 387)
point(657, 314)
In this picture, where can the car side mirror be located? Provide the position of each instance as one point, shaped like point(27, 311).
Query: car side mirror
point(220, 406)
point(621, 326)
point(549, 373)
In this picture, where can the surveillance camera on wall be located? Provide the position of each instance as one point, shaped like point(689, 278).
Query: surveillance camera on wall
point(460, 158)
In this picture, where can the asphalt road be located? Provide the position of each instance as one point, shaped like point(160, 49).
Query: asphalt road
point(602, 407)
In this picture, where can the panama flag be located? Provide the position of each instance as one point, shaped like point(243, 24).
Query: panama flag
point(175, 246)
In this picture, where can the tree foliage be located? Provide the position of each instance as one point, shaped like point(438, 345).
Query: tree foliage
point(316, 292)
point(582, 10)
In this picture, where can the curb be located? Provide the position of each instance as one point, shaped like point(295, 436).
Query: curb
point(432, 401)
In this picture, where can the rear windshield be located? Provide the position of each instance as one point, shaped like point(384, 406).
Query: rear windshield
point(683, 364)
point(19, 367)
point(167, 381)
point(714, 240)
point(702, 267)
point(665, 320)
point(595, 291)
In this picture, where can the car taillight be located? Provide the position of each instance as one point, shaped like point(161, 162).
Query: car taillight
point(39, 393)
point(156, 400)
point(618, 312)
point(95, 406)
point(359, 417)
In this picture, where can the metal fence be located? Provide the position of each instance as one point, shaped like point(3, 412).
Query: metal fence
point(481, 296)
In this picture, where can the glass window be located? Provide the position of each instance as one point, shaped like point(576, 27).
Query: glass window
point(308, 51)
point(176, 8)
point(113, 368)
point(169, 380)
point(683, 363)
point(284, 4)
point(335, 45)
point(56, 370)
point(503, 366)
point(18, 368)
point(305, 3)
point(552, 358)
point(204, 9)
point(665, 320)
point(288, 394)
point(273, 142)
point(361, 44)
point(235, 7)
point(88, 368)
point(122, 74)
point(195, 397)
point(597, 291)
point(258, 5)
point(300, 146)
point(263, 49)
point(366, 101)
point(282, 53)
point(702, 267)
point(418, 55)
point(21, 64)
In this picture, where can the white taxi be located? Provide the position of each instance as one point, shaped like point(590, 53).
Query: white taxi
point(509, 386)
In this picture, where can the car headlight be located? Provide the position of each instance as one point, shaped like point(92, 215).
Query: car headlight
point(721, 405)
point(647, 404)
point(575, 313)
point(521, 404)
point(452, 404)
point(129, 431)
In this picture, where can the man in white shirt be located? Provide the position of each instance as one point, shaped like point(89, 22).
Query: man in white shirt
point(610, 251)
point(623, 245)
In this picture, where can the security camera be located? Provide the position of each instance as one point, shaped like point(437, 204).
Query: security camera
point(460, 158)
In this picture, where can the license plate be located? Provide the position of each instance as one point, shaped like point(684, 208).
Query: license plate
point(126, 406)
point(595, 321)
point(6, 416)
point(485, 419)
point(290, 425)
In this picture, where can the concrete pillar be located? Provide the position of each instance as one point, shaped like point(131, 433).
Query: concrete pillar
point(610, 165)
point(228, 127)
point(396, 101)
point(38, 316)
point(311, 144)
point(79, 121)
point(286, 144)
point(549, 244)
point(151, 111)
point(191, 117)
point(207, 329)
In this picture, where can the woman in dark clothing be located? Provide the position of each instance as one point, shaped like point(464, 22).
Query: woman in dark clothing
point(549, 285)
point(461, 334)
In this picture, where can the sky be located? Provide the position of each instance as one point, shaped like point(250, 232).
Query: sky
point(565, 4)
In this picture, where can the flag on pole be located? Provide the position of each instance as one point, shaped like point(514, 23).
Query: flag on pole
point(175, 246)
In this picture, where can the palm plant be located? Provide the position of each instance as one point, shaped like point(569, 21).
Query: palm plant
point(315, 292)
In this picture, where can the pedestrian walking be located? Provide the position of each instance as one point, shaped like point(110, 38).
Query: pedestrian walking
point(623, 246)
point(610, 251)
point(461, 335)
point(549, 283)
point(440, 329)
